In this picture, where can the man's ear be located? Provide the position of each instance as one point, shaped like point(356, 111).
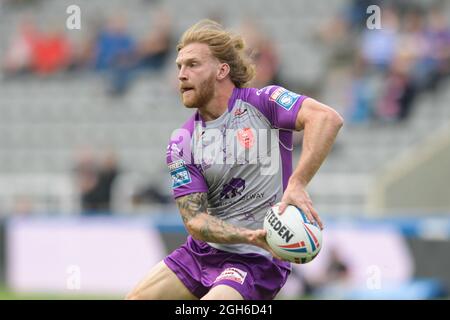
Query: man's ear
point(223, 71)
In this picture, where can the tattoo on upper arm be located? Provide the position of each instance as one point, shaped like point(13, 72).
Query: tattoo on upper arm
point(192, 204)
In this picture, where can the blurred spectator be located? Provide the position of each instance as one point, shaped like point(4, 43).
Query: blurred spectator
point(38, 52)
point(412, 44)
point(115, 52)
point(85, 171)
point(107, 174)
point(51, 52)
point(20, 50)
point(263, 52)
point(154, 49)
point(408, 55)
point(378, 46)
point(113, 44)
point(85, 51)
point(401, 86)
point(95, 179)
point(436, 63)
point(361, 102)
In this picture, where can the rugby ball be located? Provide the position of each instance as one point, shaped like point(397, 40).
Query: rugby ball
point(291, 235)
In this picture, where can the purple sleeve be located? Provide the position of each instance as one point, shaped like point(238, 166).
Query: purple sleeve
point(279, 105)
point(186, 175)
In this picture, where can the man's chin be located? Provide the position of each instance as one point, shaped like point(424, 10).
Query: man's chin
point(188, 104)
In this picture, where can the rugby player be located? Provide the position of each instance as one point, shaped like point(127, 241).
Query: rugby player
point(223, 199)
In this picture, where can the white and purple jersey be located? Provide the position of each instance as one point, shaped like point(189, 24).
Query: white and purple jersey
point(242, 160)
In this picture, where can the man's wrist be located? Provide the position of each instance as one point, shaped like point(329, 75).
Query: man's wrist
point(297, 181)
point(250, 237)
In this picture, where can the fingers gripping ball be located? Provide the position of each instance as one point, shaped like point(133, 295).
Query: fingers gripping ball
point(291, 235)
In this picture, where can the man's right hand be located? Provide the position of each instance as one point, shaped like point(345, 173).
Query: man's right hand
point(258, 238)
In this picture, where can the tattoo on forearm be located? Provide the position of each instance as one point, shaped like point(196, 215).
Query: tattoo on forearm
point(210, 228)
point(216, 230)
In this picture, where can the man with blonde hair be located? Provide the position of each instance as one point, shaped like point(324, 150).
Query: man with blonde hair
point(230, 162)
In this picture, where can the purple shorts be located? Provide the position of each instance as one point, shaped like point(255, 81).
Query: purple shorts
point(201, 267)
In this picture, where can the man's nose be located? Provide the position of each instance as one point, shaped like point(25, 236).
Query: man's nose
point(182, 74)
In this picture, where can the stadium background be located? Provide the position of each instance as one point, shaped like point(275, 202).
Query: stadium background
point(85, 204)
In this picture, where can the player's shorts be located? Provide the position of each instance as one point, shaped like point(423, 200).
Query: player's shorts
point(201, 267)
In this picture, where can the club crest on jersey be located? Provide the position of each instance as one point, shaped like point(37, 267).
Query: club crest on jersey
point(246, 137)
point(180, 174)
point(284, 98)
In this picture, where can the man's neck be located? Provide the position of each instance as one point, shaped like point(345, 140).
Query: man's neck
point(218, 104)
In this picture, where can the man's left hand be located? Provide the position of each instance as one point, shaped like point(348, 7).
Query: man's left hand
point(296, 195)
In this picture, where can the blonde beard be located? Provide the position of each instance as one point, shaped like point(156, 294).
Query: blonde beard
point(205, 94)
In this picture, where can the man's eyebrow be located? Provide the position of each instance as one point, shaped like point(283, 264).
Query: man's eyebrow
point(178, 62)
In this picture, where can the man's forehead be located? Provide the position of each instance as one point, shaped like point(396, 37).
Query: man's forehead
point(193, 50)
